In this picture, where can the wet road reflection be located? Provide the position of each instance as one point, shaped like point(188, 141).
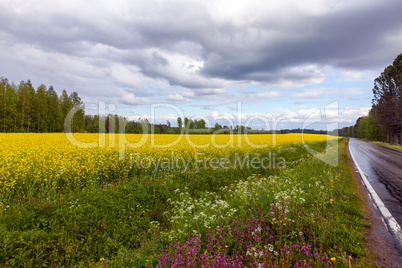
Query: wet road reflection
point(383, 168)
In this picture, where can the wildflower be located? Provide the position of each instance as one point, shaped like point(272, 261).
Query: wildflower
point(333, 259)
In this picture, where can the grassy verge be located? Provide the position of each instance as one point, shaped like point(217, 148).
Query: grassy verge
point(397, 147)
point(306, 214)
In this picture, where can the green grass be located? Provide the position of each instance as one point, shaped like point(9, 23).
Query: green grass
point(397, 147)
point(128, 223)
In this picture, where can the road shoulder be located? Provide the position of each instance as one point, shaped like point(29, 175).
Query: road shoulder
point(395, 147)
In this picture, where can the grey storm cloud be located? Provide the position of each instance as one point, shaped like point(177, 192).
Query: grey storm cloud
point(191, 45)
point(345, 38)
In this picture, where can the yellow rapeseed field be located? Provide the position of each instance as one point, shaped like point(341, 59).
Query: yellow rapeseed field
point(46, 161)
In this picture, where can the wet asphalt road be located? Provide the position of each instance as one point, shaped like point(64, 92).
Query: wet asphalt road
point(383, 169)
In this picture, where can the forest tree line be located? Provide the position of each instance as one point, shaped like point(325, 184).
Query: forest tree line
point(26, 109)
point(384, 121)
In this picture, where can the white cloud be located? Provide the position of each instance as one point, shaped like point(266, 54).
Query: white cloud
point(176, 98)
point(131, 99)
point(267, 94)
point(307, 94)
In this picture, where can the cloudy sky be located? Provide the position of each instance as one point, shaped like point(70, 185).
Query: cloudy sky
point(220, 60)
